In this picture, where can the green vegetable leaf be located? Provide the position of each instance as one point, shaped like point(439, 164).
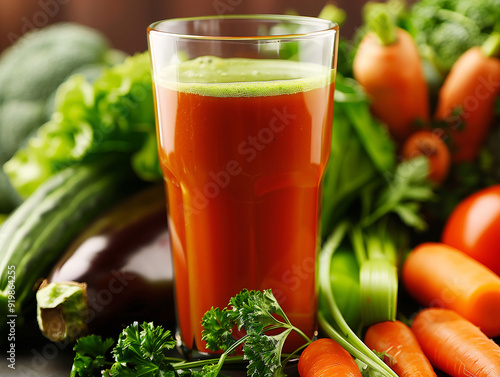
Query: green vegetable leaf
point(444, 29)
point(374, 137)
point(257, 312)
point(93, 345)
point(207, 371)
point(145, 163)
point(253, 310)
point(74, 98)
point(264, 354)
point(349, 170)
point(361, 153)
point(217, 329)
point(405, 190)
point(90, 355)
point(115, 113)
point(142, 350)
point(409, 214)
point(147, 342)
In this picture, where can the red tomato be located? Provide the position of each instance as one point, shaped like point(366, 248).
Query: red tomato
point(474, 227)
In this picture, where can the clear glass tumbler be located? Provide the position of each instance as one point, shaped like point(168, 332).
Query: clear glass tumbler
point(244, 109)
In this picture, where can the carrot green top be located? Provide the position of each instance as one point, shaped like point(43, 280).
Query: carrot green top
point(381, 22)
point(241, 77)
point(491, 47)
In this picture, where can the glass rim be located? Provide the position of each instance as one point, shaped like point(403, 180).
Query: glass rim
point(329, 27)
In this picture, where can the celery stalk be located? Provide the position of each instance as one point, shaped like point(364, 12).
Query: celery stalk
point(378, 280)
point(376, 252)
point(339, 330)
point(344, 280)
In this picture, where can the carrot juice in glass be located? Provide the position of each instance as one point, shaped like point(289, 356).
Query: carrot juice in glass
point(244, 109)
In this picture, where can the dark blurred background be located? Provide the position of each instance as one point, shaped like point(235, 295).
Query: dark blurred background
point(125, 21)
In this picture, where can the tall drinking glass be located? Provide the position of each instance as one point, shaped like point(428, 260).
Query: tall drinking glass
point(244, 109)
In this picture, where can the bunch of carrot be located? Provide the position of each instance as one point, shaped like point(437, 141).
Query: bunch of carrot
point(454, 345)
point(462, 300)
point(438, 337)
point(438, 275)
point(460, 296)
point(389, 67)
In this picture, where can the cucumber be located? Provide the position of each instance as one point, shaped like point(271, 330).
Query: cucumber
point(37, 233)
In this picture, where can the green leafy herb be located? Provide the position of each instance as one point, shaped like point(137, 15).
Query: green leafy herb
point(405, 190)
point(141, 350)
point(257, 312)
point(90, 355)
point(146, 343)
point(363, 180)
point(138, 352)
point(220, 334)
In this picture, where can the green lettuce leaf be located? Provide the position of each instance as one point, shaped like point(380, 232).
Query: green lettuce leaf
point(115, 113)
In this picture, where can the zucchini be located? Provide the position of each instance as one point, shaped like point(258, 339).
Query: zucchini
point(36, 234)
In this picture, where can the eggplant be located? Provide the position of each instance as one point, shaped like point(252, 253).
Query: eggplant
point(119, 270)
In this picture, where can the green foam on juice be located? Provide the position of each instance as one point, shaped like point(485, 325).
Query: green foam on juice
point(241, 77)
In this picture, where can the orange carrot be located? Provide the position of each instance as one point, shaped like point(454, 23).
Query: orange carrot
point(436, 274)
point(429, 144)
point(387, 64)
point(455, 345)
point(325, 357)
point(467, 98)
point(400, 348)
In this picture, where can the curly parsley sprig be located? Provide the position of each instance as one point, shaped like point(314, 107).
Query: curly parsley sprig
point(141, 350)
